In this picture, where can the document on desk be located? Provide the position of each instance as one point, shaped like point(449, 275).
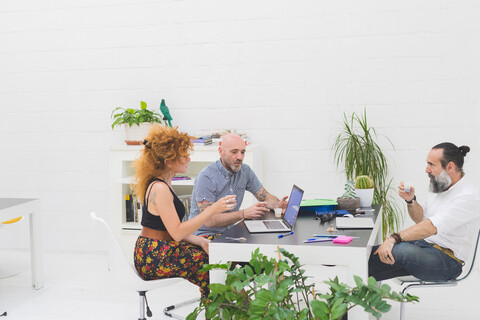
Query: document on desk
point(354, 223)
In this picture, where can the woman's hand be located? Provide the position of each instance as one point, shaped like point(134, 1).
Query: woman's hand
point(204, 243)
point(225, 204)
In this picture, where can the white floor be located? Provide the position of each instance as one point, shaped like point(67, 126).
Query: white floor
point(78, 286)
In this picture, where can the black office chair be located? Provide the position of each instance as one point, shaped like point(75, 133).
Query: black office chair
point(411, 282)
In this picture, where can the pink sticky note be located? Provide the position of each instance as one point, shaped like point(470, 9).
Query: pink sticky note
point(342, 239)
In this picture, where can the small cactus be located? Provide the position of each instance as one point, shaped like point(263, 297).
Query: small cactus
point(349, 190)
point(363, 182)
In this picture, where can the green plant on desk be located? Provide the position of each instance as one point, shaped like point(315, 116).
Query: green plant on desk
point(363, 182)
point(349, 190)
point(357, 152)
point(271, 289)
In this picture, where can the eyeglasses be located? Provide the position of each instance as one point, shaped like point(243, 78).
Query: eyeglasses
point(326, 216)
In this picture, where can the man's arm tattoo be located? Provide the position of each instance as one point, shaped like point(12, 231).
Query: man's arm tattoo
point(261, 194)
point(202, 205)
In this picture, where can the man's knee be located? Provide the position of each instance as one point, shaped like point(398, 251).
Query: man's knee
point(406, 252)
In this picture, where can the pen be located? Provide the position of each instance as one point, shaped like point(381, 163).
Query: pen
point(317, 240)
point(285, 235)
point(326, 235)
point(331, 236)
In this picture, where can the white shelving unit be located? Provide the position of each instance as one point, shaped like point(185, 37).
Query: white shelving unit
point(121, 174)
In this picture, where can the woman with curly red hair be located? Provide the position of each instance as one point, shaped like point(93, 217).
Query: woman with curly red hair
point(167, 248)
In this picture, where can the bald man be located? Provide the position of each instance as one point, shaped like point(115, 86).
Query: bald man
point(227, 176)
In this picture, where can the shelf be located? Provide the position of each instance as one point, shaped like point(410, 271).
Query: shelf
point(131, 226)
point(121, 175)
point(128, 180)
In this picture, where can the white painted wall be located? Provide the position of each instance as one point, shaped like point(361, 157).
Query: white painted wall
point(282, 71)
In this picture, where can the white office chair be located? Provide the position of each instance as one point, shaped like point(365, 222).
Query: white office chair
point(411, 282)
point(127, 275)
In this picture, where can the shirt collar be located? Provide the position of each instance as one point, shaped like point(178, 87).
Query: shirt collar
point(227, 174)
point(459, 182)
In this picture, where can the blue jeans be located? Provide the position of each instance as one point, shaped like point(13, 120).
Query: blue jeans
point(416, 258)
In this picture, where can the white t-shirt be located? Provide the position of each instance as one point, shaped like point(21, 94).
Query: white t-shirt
point(456, 215)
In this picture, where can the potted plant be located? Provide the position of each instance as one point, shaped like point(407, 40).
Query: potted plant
point(137, 122)
point(364, 190)
point(357, 152)
point(349, 200)
point(270, 289)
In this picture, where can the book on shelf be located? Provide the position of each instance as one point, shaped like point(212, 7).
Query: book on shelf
point(138, 209)
point(186, 200)
point(203, 140)
point(129, 208)
point(133, 208)
point(179, 178)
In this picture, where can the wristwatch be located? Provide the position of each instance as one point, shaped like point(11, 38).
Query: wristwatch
point(411, 201)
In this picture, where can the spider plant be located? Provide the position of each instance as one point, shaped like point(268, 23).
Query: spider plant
point(357, 152)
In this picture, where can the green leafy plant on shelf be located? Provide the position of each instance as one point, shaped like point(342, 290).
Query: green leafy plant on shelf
point(132, 116)
point(357, 152)
point(271, 289)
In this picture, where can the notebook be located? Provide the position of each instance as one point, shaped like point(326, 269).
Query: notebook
point(277, 225)
point(354, 223)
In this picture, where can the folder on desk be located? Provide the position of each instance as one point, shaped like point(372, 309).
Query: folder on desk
point(354, 223)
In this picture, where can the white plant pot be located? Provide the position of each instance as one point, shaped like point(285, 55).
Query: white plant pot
point(134, 135)
point(366, 197)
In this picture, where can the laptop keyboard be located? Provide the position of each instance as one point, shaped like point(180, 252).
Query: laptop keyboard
point(273, 225)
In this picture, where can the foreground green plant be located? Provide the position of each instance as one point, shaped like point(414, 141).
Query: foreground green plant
point(271, 289)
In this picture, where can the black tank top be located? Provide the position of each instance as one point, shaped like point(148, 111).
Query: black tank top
point(155, 222)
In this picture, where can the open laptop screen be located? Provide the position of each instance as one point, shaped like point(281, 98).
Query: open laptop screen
point(293, 205)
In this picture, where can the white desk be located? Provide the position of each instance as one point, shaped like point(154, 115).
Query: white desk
point(11, 208)
point(352, 258)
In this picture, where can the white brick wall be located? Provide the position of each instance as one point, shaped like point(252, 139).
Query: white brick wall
point(282, 71)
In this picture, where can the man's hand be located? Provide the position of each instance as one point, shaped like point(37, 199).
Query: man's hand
point(407, 196)
point(283, 204)
point(385, 252)
point(256, 211)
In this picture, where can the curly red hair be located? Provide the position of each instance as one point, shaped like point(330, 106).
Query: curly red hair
point(161, 144)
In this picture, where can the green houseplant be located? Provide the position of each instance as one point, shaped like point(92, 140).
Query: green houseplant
point(356, 151)
point(137, 122)
point(271, 289)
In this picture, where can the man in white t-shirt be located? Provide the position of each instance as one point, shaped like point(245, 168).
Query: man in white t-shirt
point(446, 223)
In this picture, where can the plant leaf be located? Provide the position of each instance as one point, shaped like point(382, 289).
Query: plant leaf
point(320, 309)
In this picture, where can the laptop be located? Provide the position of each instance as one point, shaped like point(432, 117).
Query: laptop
point(354, 223)
point(277, 225)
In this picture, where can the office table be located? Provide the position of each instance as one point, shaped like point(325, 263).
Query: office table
point(345, 260)
point(11, 208)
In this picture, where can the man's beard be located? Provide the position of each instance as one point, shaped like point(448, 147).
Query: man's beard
point(234, 168)
point(440, 183)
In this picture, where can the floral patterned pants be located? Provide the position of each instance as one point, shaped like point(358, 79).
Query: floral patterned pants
point(158, 259)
